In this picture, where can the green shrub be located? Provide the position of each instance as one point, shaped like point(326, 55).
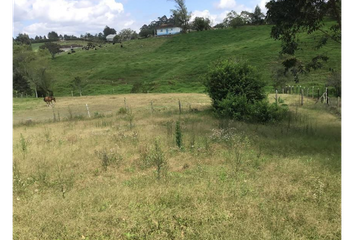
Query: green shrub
point(263, 112)
point(235, 107)
point(233, 77)
point(237, 92)
point(122, 111)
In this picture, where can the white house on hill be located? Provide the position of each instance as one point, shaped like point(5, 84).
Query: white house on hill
point(166, 29)
point(110, 37)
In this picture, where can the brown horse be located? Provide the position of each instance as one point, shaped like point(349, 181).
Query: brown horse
point(49, 100)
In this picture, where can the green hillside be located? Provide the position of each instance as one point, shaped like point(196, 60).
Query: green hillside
point(176, 63)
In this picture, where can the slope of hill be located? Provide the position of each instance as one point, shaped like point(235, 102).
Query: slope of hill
point(175, 64)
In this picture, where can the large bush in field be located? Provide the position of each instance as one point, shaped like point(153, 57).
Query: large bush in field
point(237, 92)
point(236, 78)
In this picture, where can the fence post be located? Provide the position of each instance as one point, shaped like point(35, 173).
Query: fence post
point(318, 93)
point(327, 95)
point(283, 90)
point(54, 119)
point(179, 106)
point(313, 91)
point(88, 111)
point(125, 104)
point(72, 93)
point(152, 107)
point(302, 97)
point(276, 97)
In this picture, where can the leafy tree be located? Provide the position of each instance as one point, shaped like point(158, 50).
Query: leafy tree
point(53, 36)
point(22, 56)
point(181, 14)
point(33, 67)
point(101, 36)
point(53, 48)
point(146, 32)
point(201, 24)
point(233, 20)
point(247, 17)
point(334, 80)
point(107, 30)
point(219, 25)
point(36, 38)
point(23, 38)
point(117, 38)
point(127, 34)
point(257, 16)
point(291, 18)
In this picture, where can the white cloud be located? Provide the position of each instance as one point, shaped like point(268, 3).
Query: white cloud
point(76, 11)
point(69, 17)
point(231, 5)
point(21, 10)
point(261, 5)
point(204, 14)
point(226, 4)
point(215, 18)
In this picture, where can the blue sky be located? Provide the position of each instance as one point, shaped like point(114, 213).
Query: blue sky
point(75, 17)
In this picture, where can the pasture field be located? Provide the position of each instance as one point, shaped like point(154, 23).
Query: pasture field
point(178, 63)
point(121, 175)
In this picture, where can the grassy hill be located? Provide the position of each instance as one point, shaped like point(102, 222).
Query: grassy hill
point(177, 63)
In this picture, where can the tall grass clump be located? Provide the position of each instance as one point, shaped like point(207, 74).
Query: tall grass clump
point(178, 134)
point(108, 157)
point(153, 156)
point(237, 92)
point(159, 160)
point(23, 144)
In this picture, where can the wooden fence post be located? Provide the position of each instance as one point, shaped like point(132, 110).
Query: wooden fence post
point(54, 118)
point(88, 111)
point(72, 93)
point(327, 96)
point(276, 97)
point(302, 97)
point(313, 91)
point(125, 104)
point(179, 106)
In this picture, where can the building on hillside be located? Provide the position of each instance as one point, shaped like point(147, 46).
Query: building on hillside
point(110, 37)
point(167, 29)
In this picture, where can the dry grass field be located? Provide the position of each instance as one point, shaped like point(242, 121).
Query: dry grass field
point(121, 175)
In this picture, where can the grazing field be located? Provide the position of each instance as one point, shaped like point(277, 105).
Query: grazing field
point(121, 175)
point(178, 63)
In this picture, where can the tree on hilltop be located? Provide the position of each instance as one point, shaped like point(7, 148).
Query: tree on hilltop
point(107, 31)
point(181, 14)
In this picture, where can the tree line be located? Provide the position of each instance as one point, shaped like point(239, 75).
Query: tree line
point(181, 17)
point(53, 36)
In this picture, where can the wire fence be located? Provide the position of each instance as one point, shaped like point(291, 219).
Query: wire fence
point(326, 96)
